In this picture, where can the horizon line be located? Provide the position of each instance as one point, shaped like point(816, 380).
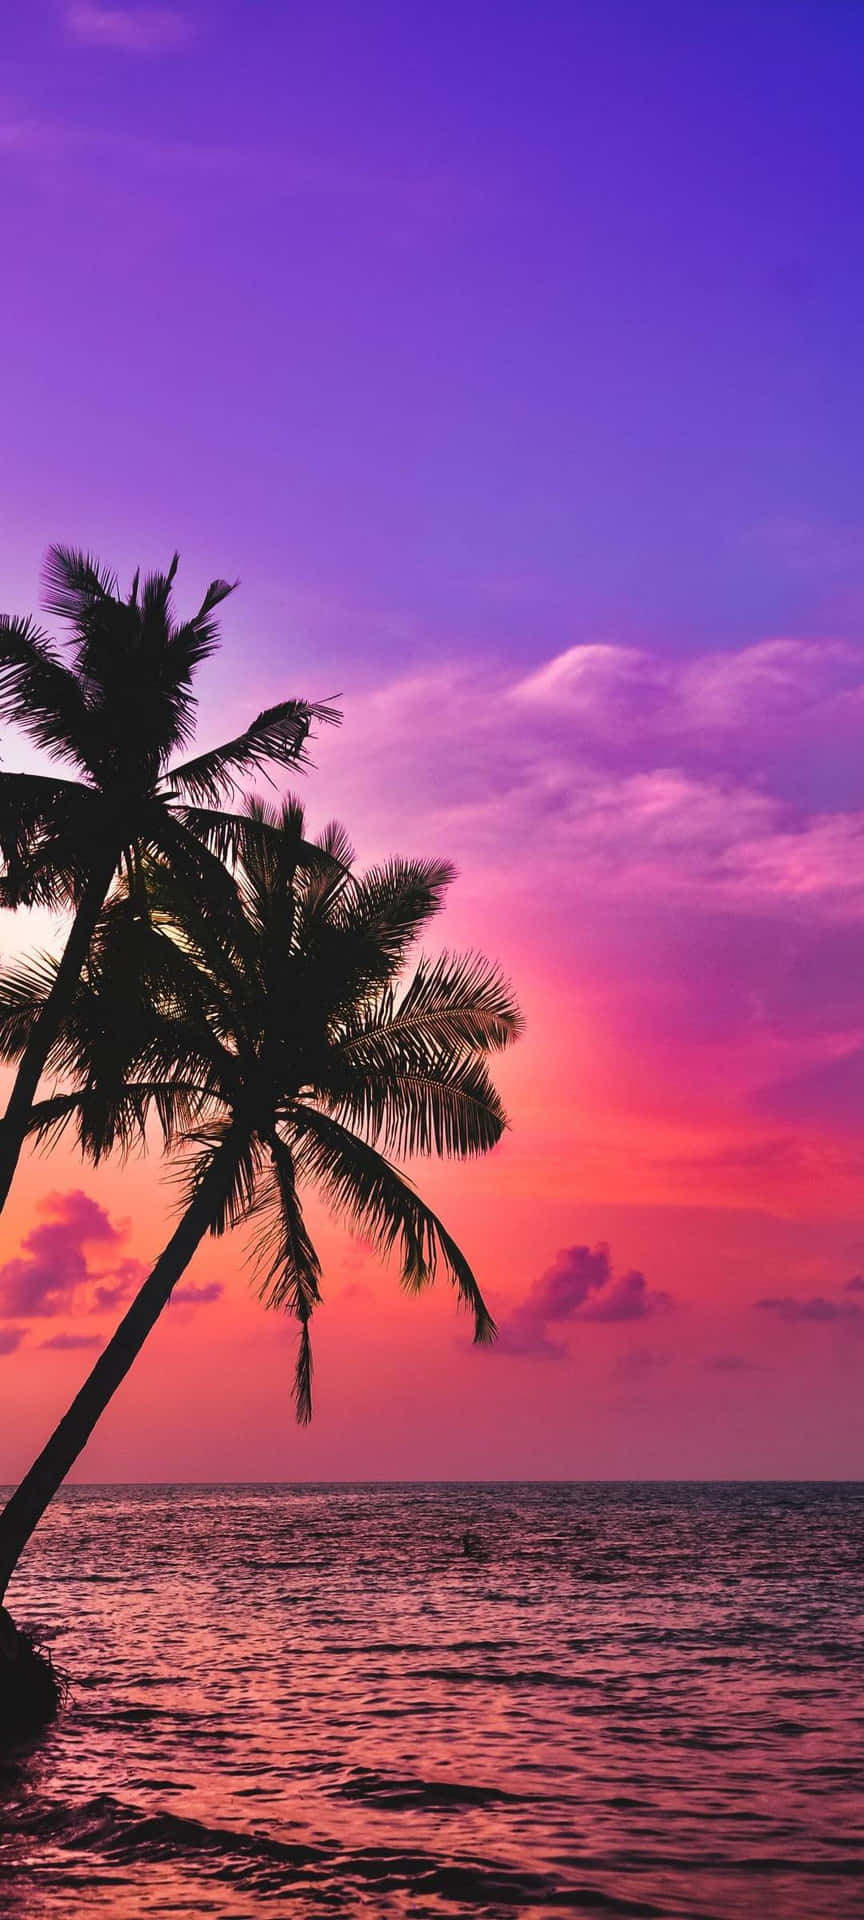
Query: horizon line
point(670, 1480)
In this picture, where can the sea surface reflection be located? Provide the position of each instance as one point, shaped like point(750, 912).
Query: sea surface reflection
point(632, 1700)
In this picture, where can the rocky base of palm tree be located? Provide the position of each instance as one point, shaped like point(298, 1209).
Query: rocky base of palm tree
point(31, 1689)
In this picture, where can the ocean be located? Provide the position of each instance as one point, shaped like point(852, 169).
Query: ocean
point(634, 1700)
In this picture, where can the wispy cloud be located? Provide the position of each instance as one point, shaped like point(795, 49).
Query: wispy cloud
point(128, 29)
point(672, 778)
point(10, 1339)
point(197, 1294)
point(700, 891)
point(578, 1287)
point(72, 1342)
point(817, 1310)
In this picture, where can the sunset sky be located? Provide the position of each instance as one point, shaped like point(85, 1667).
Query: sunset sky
point(511, 357)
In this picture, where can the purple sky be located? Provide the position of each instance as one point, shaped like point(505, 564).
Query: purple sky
point(457, 324)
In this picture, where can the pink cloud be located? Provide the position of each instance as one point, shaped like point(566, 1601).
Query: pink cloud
point(195, 1294)
point(578, 1287)
point(815, 1311)
point(629, 1298)
point(72, 1342)
point(10, 1339)
point(126, 1277)
point(618, 764)
point(624, 696)
point(696, 848)
point(52, 1272)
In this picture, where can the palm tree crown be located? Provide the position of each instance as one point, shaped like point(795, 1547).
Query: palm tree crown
point(115, 708)
point(278, 1043)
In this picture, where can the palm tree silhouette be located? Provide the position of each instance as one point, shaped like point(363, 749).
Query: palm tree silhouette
point(115, 711)
point(277, 1046)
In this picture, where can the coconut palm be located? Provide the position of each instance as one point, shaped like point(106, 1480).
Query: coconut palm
point(115, 708)
point(280, 1049)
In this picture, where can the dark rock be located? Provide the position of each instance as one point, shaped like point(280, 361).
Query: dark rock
point(31, 1689)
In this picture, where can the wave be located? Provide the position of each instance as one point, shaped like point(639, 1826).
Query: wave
point(116, 1833)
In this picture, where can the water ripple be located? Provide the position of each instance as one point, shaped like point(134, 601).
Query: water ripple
point(642, 1701)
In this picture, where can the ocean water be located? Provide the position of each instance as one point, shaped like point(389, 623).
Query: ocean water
point(644, 1700)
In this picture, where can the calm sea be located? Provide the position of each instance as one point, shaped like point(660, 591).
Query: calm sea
point(646, 1700)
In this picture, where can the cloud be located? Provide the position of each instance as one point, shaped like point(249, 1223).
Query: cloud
point(52, 1274)
point(55, 1272)
point(856, 1284)
point(72, 1342)
point(625, 695)
point(815, 1311)
point(108, 1294)
point(639, 1361)
point(195, 1295)
point(728, 1363)
point(10, 1339)
point(128, 29)
point(696, 863)
point(629, 1298)
point(578, 1287)
point(694, 778)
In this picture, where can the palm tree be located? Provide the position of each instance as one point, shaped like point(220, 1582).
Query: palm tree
point(115, 709)
point(278, 1047)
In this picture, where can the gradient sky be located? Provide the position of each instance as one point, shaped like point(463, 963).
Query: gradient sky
point(511, 355)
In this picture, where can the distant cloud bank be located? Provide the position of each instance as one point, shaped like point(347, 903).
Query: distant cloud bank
point(817, 1309)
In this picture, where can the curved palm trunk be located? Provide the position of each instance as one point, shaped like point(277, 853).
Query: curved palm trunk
point(13, 1126)
point(24, 1510)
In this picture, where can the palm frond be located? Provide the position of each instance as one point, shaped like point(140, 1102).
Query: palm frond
point(459, 1002)
point(196, 639)
point(188, 859)
point(290, 1267)
point(447, 1106)
point(335, 843)
point(72, 581)
point(256, 841)
point(48, 1119)
point(101, 1129)
point(24, 988)
point(171, 654)
point(41, 695)
point(231, 837)
point(237, 1155)
point(278, 737)
point(354, 933)
point(47, 830)
point(389, 904)
point(303, 1376)
point(362, 1186)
